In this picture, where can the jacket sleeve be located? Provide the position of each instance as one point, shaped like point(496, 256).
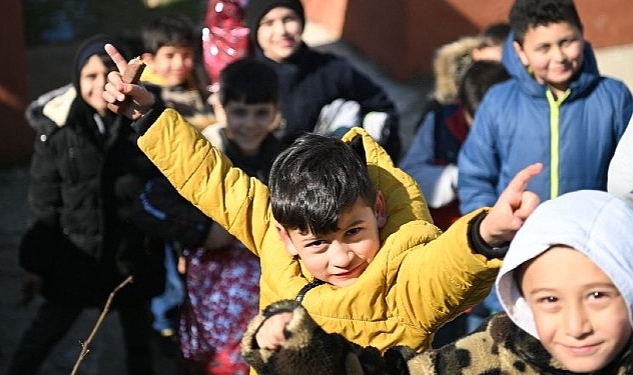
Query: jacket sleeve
point(620, 177)
point(478, 163)
point(161, 211)
point(436, 181)
point(308, 348)
point(444, 277)
point(45, 202)
point(207, 179)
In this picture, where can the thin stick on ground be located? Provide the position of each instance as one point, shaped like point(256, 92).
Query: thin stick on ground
point(85, 346)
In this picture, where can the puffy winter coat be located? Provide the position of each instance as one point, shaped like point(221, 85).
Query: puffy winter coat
point(418, 280)
point(81, 240)
point(519, 123)
point(309, 80)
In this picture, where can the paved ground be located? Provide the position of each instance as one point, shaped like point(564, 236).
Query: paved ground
point(106, 353)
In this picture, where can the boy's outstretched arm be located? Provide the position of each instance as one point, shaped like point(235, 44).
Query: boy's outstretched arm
point(116, 90)
point(511, 209)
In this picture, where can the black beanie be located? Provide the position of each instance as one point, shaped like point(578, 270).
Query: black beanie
point(257, 9)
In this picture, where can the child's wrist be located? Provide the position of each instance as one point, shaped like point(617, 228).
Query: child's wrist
point(479, 245)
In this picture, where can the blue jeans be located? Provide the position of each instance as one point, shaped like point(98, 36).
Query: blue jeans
point(173, 295)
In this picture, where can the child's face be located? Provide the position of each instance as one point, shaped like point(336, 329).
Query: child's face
point(174, 64)
point(248, 124)
point(581, 317)
point(92, 80)
point(339, 258)
point(554, 52)
point(279, 33)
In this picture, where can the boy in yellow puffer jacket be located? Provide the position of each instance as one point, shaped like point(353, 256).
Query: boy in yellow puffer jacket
point(341, 229)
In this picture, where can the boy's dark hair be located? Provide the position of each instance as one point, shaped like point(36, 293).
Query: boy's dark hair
point(168, 30)
point(526, 14)
point(495, 35)
point(248, 80)
point(317, 179)
point(477, 80)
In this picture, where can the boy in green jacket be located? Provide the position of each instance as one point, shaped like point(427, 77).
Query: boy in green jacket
point(341, 229)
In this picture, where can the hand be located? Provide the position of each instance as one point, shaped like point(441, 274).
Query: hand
point(182, 265)
point(31, 286)
point(116, 91)
point(271, 334)
point(514, 205)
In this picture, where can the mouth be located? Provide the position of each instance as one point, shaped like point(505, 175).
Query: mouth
point(348, 273)
point(582, 350)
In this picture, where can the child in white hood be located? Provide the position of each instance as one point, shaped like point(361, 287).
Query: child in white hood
point(566, 286)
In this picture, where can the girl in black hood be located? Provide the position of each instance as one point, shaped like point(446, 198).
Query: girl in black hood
point(85, 172)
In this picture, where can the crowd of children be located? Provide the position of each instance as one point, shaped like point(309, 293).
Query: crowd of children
point(277, 200)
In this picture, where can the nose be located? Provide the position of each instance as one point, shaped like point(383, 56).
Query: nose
point(340, 255)
point(558, 54)
point(101, 81)
point(576, 322)
point(178, 61)
point(279, 27)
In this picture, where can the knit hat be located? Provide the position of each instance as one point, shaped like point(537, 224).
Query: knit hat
point(257, 9)
point(595, 223)
point(95, 46)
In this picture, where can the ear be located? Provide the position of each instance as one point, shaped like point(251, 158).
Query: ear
point(519, 50)
point(285, 237)
point(380, 209)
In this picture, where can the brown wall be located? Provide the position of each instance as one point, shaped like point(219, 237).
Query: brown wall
point(402, 35)
point(16, 139)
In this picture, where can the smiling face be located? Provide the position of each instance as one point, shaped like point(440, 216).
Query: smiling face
point(279, 33)
point(92, 80)
point(173, 63)
point(248, 124)
point(581, 317)
point(553, 52)
point(339, 258)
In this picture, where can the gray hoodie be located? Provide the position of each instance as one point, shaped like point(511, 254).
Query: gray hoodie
point(595, 223)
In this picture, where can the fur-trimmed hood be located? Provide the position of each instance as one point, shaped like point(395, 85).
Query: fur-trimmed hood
point(449, 65)
point(53, 105)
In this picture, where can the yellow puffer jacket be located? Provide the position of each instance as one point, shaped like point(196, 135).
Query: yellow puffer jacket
point(418, 281)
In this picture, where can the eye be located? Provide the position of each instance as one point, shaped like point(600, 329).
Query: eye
point(262, 113)
point(352, 232)
point(290, 19)
point(316, 243)
point(548, 300)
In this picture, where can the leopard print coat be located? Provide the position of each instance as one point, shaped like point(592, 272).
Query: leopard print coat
point(498, 347)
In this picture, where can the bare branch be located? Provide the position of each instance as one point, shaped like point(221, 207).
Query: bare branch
point(104, 312)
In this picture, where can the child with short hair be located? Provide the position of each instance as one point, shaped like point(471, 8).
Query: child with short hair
point(565, 286)
point(169, 50)
point(557, 109)
point(169, 55)
point(341, 229)
point(223, 282)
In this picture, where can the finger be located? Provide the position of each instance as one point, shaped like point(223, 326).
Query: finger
point(529, 202)
point(114, 88)
point(520, 182)
point(115, 55)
